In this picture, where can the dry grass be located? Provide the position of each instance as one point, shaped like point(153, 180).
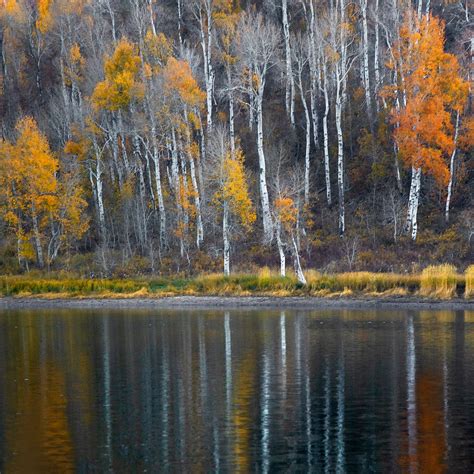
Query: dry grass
point(469, 293)
point(439, 281)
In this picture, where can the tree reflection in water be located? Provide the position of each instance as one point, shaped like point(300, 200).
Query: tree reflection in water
point(240, 391)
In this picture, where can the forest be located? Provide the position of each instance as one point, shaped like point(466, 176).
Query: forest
point(181, 137)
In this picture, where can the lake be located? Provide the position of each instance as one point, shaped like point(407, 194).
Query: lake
point(205, 391)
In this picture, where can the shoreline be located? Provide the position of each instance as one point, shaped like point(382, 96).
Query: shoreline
point(236, 302)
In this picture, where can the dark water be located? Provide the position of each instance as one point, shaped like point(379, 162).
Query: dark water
point(135, 391)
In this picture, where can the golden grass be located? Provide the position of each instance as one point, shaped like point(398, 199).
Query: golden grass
point(469, 292)
point(439, 281)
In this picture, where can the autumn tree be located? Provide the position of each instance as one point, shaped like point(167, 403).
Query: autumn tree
point(431, 89)
point(186, 99)
point(286, 220)
point(231, 196)
point(259, 46)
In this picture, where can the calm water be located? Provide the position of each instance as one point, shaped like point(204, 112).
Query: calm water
point(135, 391)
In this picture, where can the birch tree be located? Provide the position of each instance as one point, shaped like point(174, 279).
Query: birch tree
point(290, 83)
point(231, 195)
point(259, 46)
point(341, 38)
point(433, 89)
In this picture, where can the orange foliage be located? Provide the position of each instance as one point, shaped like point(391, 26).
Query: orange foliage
point(430, 82)
point(179, 79)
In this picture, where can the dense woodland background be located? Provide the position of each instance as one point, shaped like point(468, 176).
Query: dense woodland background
point(187, 136)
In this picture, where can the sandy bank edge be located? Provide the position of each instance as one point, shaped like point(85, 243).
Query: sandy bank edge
point(231, 302)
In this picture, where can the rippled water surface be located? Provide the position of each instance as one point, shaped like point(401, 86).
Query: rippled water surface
point(326, 391)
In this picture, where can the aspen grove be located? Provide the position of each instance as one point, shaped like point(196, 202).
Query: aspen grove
point(189, 136)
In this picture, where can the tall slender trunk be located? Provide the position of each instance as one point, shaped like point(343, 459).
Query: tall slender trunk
point(452, 169)
point(159, 189)
point(143, 231)
point(313, 67)
point(327, 171)
point(297, 262)
point(340, 154)
point(180, 18)
point(307, 163)
point(97, 174)
point(281, 249)
point(225, 235)
point(232, 124)
point(290, 83)
point(377, 55)
point(206, 46)
point(365, 48)
point(197, 194)
point(37, 238)
point(266, 216)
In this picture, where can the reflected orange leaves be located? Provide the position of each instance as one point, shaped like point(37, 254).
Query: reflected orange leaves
point(41, 436)
point(430, 453)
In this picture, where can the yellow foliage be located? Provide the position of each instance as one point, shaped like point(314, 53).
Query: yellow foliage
point(28, 179)
point(9, 6)
point(235, 189)
point(122, 79)
point(286, 211)
point(158, 48)
point(45, 17)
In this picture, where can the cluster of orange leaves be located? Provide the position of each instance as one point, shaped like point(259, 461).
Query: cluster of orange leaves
point(179, 79)
point(431, 89)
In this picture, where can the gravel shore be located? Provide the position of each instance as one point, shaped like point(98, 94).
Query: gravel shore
point(238, 302)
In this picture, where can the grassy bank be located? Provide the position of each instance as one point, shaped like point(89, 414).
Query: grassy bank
point(442, 282)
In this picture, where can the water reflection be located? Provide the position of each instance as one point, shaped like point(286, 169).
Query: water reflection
point(240, 391)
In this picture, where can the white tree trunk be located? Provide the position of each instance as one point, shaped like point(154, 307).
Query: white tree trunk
point(281, 250)
point(340, 154)
point(266, 216)
point(225, 234)
point(307, 163)
point(197, 202)
point(452, 169)
point(413, 201)
point(180, 17)
point(297, 262)
point(232, 124)
point(376, 55)
point(159, 189)
point(327, 171)
point(365, 48)
point(290, 84)
point(97, 175)
point(197, 195)
point(206, 45)
point(313, 73)
point(37, 239)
